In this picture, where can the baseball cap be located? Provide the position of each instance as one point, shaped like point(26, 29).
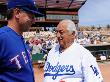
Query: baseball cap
point(26, 5)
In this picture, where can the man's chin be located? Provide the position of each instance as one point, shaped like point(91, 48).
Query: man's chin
point(25, 29)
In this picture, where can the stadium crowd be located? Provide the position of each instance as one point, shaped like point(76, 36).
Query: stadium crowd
point(43, 41)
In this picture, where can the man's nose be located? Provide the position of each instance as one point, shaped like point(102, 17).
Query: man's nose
point(58, 34)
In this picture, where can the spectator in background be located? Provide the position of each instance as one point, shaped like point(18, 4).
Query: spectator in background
point(36, 47)
point(44, 48)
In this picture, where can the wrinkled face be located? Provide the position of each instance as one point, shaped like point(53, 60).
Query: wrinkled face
point(63, 35)
point(25, 20)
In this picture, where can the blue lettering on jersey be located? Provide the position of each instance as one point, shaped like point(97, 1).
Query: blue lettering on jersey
point(94, 70)
point(58, 70)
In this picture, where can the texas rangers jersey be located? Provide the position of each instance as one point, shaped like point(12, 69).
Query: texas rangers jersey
point(15, 62)
point(75, 64)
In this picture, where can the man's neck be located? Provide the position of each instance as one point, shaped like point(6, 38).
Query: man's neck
point(63, 47)
point(13, 25)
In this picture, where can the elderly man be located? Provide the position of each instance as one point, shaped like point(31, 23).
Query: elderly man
point(15, 61)
point(68, 61)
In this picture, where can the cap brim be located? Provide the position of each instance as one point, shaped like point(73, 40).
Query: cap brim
point(35, 12)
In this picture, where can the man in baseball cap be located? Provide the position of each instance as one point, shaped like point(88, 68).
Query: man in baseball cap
point(15, 61)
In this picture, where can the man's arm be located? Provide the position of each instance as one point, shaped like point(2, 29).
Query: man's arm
point(91, 71)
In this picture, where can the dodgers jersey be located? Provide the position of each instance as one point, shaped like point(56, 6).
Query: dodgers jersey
point(15, 62)
point(75, 64)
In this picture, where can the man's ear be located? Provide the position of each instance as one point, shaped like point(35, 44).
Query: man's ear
point(17, 13)
point(73, 34)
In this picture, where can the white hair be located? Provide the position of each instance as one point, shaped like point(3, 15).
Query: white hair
point(70, 26)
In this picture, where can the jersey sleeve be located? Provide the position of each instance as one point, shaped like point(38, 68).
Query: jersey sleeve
point(1, 47)
point(90, 68)
point(2, 43)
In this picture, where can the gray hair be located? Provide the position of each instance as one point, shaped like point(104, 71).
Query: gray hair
point(70, 26)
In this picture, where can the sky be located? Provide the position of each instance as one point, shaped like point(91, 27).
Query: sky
point(95, 12)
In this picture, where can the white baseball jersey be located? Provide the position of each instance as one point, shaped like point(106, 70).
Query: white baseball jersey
point(75, 64)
